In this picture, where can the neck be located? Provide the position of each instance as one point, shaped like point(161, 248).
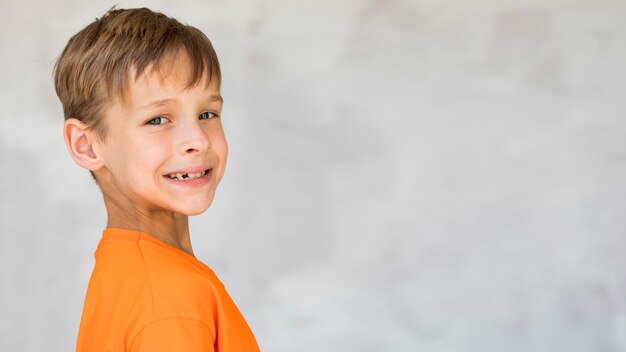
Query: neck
point(167, 226)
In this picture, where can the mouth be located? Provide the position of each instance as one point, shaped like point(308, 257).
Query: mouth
point(187, 176)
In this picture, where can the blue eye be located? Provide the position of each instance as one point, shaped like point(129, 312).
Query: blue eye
point(207, 115)
point(159, 120)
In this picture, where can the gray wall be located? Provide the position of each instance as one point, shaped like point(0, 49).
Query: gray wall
point(403, 176)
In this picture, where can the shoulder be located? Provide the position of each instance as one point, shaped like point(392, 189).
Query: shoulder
point(174, 334)
point(180, 286)
point(119, 266)
point(139, 290)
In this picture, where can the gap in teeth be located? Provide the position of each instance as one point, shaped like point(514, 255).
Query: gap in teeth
point(187, 176)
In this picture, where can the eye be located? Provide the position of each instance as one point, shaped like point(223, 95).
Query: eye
point(159, 120)
point(207, 115)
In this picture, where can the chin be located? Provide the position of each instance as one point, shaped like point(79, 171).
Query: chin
point(195, 212)
point(196, 209)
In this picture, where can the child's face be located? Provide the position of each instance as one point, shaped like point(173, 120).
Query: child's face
point(165, 147)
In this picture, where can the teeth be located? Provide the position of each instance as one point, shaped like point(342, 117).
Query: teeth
point(186, 176)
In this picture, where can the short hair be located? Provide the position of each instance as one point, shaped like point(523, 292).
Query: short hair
point(97, 62)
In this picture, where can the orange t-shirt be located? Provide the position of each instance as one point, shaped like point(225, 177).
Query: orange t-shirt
point(145, 295)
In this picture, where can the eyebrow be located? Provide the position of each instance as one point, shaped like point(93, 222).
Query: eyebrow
point(216, 98)
point(162, 102)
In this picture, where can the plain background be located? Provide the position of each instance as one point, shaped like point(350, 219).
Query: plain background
point(427, 175)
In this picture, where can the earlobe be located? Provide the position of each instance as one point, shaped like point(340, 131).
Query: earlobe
point(79, 143)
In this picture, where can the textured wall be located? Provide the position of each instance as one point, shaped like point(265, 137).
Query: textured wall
point(403, 176)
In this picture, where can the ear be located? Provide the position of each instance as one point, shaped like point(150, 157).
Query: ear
point(79, 142)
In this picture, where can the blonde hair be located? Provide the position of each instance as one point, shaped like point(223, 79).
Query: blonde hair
point(97, 62)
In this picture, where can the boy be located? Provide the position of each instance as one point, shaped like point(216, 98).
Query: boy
point(141, 98)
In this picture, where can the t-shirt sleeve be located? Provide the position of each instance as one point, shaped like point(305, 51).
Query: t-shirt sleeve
point(174, 334)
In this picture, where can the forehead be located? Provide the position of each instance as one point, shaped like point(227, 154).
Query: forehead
point(171, 76)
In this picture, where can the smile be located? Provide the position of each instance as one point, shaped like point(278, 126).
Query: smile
point(187, 176)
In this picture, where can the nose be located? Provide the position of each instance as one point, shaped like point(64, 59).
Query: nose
point(193, 139)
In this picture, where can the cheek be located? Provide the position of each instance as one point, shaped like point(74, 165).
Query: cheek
point(225, 149)
point(220, 147)
point(219, 143)
point(144, 157)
